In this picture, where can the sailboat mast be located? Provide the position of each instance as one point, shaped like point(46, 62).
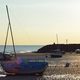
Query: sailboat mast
point(9, 26)
point(57, 38)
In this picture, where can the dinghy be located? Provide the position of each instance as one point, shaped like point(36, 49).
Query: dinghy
point(23, 66)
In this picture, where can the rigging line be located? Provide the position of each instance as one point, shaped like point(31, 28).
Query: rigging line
point(6, 39)
point(11, 30)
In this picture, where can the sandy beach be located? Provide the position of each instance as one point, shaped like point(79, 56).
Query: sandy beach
point(56, 70)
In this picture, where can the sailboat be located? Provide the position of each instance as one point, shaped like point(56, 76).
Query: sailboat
point(19, 65)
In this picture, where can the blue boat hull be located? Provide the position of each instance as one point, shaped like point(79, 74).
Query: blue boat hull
point(24, 67)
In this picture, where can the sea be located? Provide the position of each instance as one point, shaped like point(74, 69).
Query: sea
point(20, 48)
point(67, 58)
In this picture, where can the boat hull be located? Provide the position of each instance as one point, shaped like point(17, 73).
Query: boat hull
point(24, 67)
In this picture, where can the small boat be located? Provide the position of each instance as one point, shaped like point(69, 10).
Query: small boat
point(77, 51)
point(24, 66)
point(56, 54)
point(18, 64)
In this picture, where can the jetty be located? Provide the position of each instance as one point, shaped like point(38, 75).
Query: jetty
point(63, 47)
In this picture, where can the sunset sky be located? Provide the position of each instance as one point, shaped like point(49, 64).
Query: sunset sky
point(36, 22)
